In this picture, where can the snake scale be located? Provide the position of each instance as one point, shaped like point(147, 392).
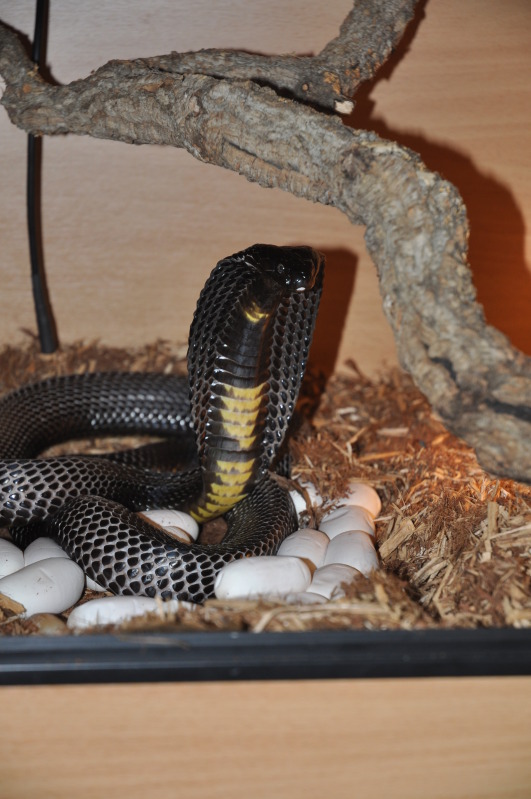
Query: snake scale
point(248, 347)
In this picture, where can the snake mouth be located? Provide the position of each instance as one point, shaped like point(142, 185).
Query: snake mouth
point(305, 267)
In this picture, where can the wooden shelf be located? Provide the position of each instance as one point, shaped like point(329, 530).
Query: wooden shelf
point(416, 738)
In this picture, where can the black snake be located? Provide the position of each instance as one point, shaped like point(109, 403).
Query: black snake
point(247, 353)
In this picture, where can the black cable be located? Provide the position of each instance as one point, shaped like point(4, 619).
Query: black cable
point(43, 310)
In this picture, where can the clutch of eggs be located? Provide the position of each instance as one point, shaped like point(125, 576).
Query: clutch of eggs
point(336, 554)
point(311, 565)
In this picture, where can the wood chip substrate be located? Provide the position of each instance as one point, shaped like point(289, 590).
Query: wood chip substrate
point(454, 541)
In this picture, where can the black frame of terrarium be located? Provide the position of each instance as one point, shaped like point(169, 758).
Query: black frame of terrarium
point(228, 656)
point(202, 656)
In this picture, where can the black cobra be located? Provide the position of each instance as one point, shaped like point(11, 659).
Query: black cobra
point(247, 353)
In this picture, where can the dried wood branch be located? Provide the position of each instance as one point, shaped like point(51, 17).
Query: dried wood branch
point(416, 222)
point(327, 80)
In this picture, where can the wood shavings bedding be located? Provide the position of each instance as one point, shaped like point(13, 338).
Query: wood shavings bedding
point(455, 542)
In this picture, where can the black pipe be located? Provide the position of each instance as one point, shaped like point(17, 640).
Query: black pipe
point(43, 309)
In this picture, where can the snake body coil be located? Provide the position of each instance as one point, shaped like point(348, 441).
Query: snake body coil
point(248, 347)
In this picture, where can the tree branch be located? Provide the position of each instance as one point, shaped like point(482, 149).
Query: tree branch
point(416, 222)
point(328, 80)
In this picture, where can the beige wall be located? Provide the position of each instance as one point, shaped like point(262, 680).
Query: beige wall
point(131, 233)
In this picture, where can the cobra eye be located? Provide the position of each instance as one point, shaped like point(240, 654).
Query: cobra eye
point(281, 269)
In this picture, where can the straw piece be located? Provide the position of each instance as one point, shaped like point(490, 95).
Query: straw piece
point(404, 530)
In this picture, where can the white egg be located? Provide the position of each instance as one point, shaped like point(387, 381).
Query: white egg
point(92, 585)
point(327, 580)
point(363, 494)
point(11, 557)
point(299, 502)
point(179, 535)
point(308, 544)
point(48, 586)
point(347, 517)
point(353, 548)
point(262, 576)
point(42, 548)
point(117, 609)
point(175, 522)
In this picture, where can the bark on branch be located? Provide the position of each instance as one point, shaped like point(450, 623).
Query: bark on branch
point(416, 224)
point(327, 80)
